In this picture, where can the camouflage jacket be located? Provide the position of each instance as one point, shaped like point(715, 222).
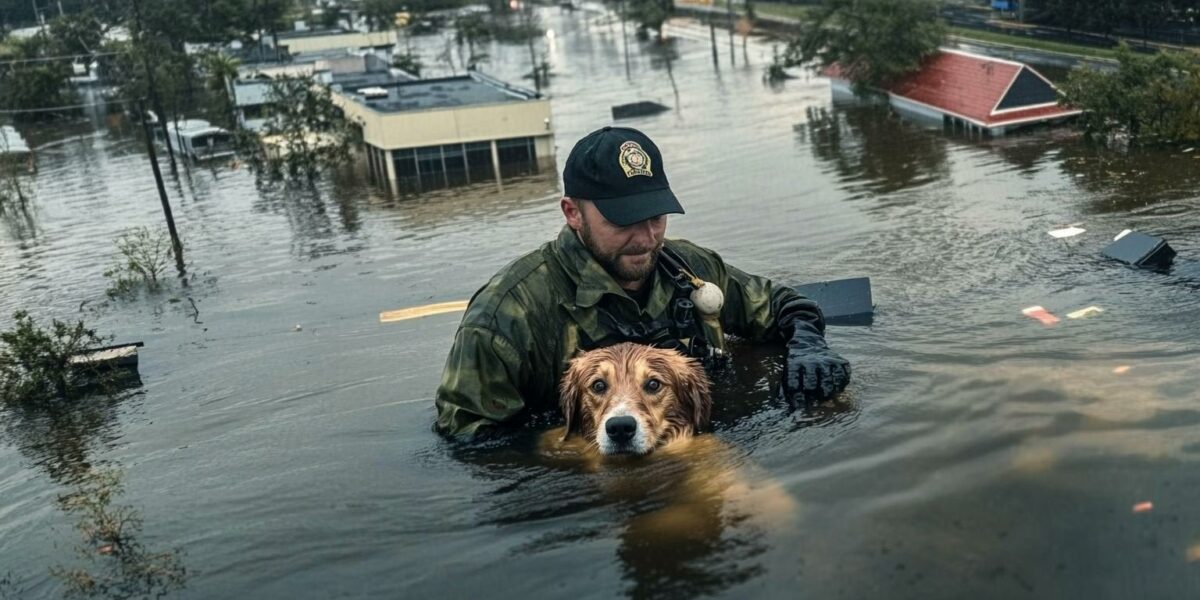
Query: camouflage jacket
point(520, 329)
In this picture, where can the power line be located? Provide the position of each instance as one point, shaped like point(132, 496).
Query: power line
point(54, 58)
point(57, 108)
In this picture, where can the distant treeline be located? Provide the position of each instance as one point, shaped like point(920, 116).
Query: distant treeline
point(1165, 20)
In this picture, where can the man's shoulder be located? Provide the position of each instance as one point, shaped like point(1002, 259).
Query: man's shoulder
point(522, 285)
point(698, 257)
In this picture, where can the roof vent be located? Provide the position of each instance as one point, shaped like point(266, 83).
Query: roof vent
point(372, 93)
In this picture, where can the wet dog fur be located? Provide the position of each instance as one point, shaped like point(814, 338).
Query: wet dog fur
point(632, 399)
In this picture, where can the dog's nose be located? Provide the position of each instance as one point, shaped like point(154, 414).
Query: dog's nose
point(621, 429)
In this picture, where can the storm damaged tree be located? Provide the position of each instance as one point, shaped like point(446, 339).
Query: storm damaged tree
point(651, 15)
point(33, 81)
point(1147, 100)
point(306, 135)
point(872, 42)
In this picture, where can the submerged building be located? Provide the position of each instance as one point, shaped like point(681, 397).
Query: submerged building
point(437, 133)
point(977, 93)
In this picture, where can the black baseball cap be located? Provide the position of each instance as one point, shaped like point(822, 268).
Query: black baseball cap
point(621, 171)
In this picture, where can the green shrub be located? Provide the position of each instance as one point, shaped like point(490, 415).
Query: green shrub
point(142, 257)
point(35, 363)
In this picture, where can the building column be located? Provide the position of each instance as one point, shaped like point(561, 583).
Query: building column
point(389, 164)
point(496, 166)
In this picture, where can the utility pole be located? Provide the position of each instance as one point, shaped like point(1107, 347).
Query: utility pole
point(712, 35)
point(176, 245)
point(625, 39)
point(729, 14)
point(154, 99)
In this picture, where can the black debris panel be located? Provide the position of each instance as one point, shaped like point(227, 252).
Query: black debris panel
point(844, 301)
point(637, 109)
point(1141, 250)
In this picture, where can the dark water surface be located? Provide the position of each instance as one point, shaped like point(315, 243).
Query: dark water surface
point(977, 453)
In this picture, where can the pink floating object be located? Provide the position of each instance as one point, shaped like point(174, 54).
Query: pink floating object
point(1142, 507)
point(1121, 370)
point(1041, 314)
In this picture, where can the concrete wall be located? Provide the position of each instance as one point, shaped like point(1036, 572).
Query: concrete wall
point(915, 111)
point(411, 129)
point(315, 43)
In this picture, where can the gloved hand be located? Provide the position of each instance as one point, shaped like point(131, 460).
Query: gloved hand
point(813, 372)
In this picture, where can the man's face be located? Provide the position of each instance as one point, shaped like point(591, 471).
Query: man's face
point(628, 253)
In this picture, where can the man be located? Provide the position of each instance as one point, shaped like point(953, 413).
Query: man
point(611, 276)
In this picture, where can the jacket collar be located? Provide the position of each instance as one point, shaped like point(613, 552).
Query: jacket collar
point(592, 282)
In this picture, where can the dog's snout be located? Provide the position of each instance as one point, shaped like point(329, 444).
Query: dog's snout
point(621, 429)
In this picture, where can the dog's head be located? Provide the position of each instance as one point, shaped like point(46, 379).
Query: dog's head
point(630, 398)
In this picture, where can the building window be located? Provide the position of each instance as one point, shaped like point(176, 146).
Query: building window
point(407, 178)
point(479, 161)
point(517, 157)
point(456, 165)
point(431, 167)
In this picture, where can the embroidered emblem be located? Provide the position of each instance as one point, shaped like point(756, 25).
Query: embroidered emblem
point(634, 160)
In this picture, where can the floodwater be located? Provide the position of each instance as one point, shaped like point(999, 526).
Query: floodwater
point(280, 446)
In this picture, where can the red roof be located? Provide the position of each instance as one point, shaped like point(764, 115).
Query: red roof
point(972, 87)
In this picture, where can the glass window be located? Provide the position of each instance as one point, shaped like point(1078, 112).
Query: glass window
point(456, 164)
point(407, 179)
point(479, 162)
point(517, 157)
point(431, 168)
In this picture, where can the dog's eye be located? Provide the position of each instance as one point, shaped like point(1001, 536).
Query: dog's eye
point(653, 385)
point(598, 386)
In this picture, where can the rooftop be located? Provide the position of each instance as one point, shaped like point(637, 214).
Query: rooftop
point(307, 33)
point(986, 90)
point(447, 92)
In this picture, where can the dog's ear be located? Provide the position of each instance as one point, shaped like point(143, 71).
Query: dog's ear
point(570, 395)
point(692, 389)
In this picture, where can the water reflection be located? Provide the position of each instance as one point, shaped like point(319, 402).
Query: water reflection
point(1118, 182)
point(62, 438)
point(306, 207)
point(434, 209)
point(686, 523)
point(872, 151)
point(19, 222)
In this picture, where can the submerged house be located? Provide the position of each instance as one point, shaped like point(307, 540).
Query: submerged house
point(437, 133)
point(977, 93)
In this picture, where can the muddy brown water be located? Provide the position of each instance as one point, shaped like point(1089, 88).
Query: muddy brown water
point(977, 452)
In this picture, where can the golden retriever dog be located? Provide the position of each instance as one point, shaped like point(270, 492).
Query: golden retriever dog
point(634, 401)
point(631, 399)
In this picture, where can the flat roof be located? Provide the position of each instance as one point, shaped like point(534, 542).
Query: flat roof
point(291, 35)
point(446, 92)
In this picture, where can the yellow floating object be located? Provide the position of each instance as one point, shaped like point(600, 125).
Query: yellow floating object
point(416, 312)
point(1083, 313)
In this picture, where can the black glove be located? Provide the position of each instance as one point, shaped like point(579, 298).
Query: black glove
point(813, 372)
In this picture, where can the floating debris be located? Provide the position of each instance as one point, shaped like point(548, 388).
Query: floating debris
point(297, 328)
point(1041, 314)
point(1084, 313)
point(1193, 553)
point(644, 108)
point(1121, 370)
point(1066, 232)
point(1142, 507)
point(1140, 250)
point(403, 314)
point(120, 356)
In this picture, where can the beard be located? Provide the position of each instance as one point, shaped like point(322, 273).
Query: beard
point(611, 261)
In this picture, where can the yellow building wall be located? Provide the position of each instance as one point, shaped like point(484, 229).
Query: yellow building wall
point(390, 131)
point(344, 40)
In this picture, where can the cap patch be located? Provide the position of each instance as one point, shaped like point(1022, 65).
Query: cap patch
point(634, 160)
